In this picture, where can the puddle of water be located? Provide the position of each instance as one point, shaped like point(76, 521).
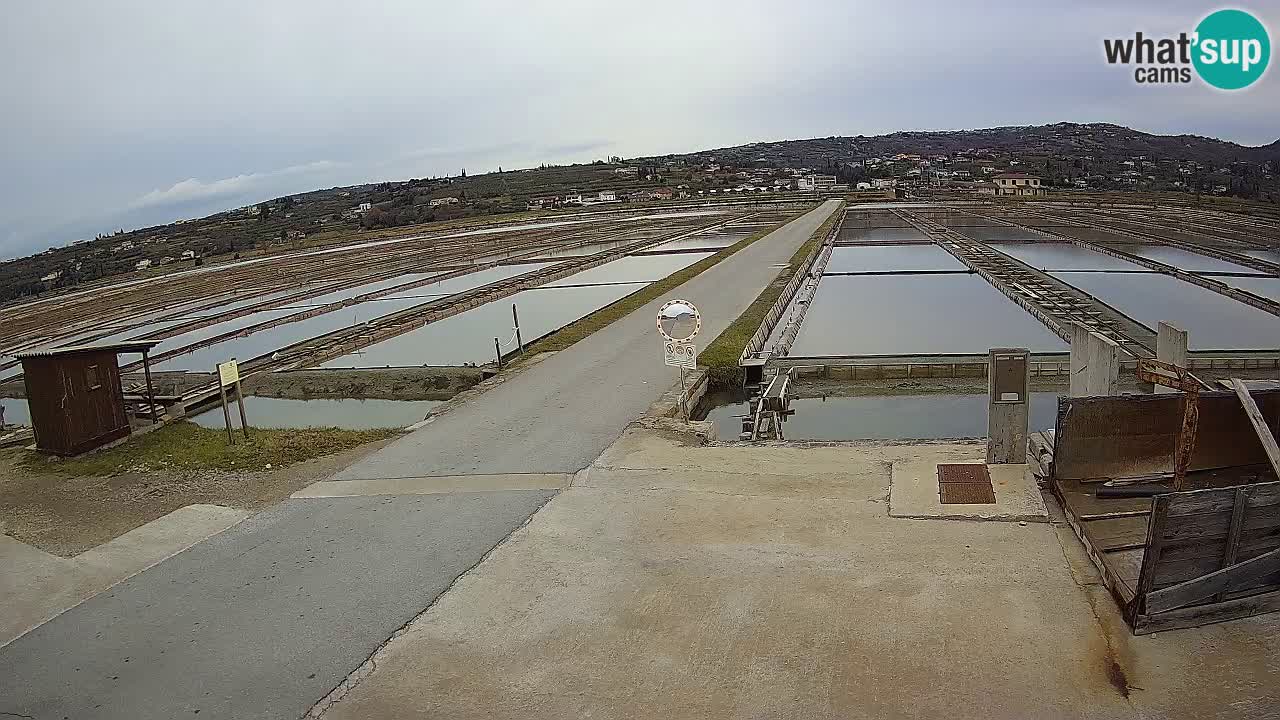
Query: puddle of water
point(1063, 256)
point(1184, 259)
point(1212, 321)
point(352, 414)
point(468, 337)
point(890, 258)
point(16, 411)
point(916, 314)
point(884, 417)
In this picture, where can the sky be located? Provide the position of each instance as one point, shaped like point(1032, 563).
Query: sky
point(130, 113)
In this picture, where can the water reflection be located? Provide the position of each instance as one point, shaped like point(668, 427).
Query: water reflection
point(1063, 256)
point(1212, 321)
point(886, 417)
point(909, 314)
point(891, 258)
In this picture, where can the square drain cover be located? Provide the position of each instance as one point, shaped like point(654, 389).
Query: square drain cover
point(960, 484)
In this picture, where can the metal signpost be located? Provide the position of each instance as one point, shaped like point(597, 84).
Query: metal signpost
point(679, 322)
point(229, 376)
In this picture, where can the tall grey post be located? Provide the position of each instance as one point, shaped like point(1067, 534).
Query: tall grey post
point(1079, 360)
point(1104, 365)
point(1008, 385)
point(1095, 363)
point(1171, 347)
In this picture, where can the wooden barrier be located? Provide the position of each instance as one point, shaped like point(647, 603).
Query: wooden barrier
point(1178, 559)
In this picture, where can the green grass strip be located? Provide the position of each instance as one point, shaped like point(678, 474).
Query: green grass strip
point(722, 354)
point(186, 446)
point(573, 332)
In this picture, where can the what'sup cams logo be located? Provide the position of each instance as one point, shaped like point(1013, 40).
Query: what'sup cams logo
point(1229, 50)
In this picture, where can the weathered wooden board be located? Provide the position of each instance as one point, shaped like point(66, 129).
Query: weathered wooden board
point(1131, 435)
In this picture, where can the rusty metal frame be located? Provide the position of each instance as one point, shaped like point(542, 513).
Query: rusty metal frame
point(1168, 375)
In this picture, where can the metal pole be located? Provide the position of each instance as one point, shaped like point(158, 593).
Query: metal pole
point(684, 405)
point(516, 318)
point(497, 350)
point(226, 412)
point(244, 422)
point(151, 395)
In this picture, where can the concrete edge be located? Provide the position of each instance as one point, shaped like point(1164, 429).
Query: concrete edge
point(370, 665)
point(120, 549)
point(478, 389)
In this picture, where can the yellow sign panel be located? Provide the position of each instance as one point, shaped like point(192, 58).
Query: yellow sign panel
point(228, 373)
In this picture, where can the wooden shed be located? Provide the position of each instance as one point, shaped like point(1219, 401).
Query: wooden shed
point(74, 393)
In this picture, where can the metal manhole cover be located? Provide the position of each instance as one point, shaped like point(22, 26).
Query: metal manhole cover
point(964, 473)
point(965, 485)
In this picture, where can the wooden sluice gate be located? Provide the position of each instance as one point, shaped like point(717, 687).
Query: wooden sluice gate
point(1184, 528)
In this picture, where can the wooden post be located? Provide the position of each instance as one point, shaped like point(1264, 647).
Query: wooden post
point(1171, 347)
point(226, 412)
point(1186, 438)
point(515, 317)
point(497, 350)
point(684, 407)
point(244, 422)
point(151, 394)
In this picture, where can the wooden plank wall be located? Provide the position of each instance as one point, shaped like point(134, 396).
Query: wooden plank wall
point(1194, 540)
point(1130, 435)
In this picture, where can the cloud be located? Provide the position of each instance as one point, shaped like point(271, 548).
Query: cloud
point(192, 189)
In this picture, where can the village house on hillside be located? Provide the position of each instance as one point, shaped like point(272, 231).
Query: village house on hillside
point(1012, 183)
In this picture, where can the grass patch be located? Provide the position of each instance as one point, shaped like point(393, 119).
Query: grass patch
point(721, 355)
point(573, 332)
point(187, 446)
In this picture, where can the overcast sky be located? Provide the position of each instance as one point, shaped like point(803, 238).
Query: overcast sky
point(123, 114)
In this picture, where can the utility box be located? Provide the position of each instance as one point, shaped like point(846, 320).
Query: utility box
point(1008, 405)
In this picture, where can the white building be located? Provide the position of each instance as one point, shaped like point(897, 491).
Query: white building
point(364, 207)
point(607, 196)
point(1018, 184)
point(816, 182)
point(188, 254)
point(142, 265)
point(443, 201)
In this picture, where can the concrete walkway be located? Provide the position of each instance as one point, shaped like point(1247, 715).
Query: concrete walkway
point(265, 619)
point(262, 620)
point(772, 582)
point(559, 415)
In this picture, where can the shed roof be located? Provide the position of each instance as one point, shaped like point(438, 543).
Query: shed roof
point(126, 346)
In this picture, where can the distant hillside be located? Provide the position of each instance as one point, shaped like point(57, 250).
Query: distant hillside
point(1096, 157)
point(1068, 140)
